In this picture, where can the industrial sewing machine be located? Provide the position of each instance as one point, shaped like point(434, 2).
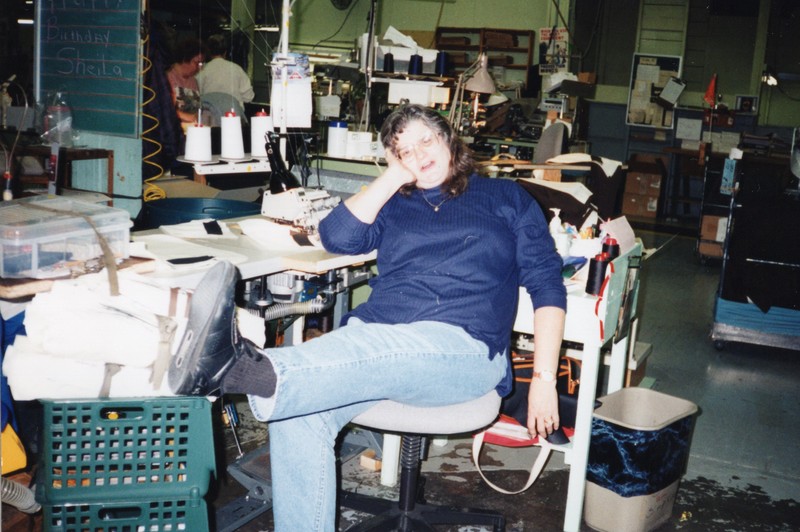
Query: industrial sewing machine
point(303, 208)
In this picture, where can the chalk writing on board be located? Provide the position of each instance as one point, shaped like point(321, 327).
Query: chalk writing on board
point(89, 50)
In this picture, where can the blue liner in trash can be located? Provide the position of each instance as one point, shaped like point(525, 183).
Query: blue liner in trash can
point(640, 441)
point(171, 211)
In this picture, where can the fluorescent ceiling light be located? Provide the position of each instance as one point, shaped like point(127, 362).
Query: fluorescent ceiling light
point(25, 21)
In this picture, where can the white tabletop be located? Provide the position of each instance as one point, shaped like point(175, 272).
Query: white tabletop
point(254, 259)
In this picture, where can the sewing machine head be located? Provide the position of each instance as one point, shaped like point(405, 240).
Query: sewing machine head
point(300, 207)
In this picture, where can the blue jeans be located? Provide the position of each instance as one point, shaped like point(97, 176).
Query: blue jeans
point(325, 382)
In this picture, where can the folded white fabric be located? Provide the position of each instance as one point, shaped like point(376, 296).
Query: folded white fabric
point(197, 229)
point(33, 374)
point(77, 330)
point(90, 330)
point(78, 319)
point(273, 235)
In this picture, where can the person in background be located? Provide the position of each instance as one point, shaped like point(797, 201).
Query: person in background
point(223, 83)
point(453, 250)
point(188, 57)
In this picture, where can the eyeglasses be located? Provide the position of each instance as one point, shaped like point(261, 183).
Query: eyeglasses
point(409, 151)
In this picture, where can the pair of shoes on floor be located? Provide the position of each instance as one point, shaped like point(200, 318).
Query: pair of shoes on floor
point(211, 343)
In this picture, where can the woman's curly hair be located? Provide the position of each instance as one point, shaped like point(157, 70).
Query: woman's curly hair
point(462, 164)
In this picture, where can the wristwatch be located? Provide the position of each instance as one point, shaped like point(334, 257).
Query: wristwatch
point(544, 375)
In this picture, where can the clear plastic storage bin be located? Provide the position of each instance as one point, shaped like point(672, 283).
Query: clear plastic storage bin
point(46, 237)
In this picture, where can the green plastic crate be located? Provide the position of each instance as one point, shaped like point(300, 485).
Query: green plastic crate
point(189, 515)
point(106, 450)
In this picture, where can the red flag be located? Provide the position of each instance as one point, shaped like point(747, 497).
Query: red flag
point(711, 92)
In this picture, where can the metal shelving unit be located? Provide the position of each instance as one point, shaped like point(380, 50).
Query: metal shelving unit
point(465, 44)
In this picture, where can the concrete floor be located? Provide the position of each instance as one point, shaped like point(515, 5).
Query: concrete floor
point(744, 467)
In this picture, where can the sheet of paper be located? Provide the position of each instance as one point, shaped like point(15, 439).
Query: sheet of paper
point(648, 73)
point(576, 190)
point(620, 229)
point(689, 128)
point(298, 102)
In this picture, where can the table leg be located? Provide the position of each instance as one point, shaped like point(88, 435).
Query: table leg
point(583, 434)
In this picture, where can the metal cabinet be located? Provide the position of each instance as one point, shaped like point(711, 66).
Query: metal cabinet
point(758, 299)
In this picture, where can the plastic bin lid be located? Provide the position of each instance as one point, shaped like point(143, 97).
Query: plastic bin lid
point(643, 409)
point(26, 219)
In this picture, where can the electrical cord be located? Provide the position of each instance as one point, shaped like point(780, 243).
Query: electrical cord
point(151, 191)
point(346, 17)
point(593, 34)
point(9, 154)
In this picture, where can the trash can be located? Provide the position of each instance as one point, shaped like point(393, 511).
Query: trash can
point(638, 453)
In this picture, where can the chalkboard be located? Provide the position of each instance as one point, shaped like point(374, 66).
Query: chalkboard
point(89, 50)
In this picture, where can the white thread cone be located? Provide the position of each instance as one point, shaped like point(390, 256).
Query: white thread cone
point(232, 142)
point(198, 143)
point(260, 124)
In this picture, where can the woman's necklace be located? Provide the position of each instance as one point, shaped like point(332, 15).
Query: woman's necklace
point(435, 207)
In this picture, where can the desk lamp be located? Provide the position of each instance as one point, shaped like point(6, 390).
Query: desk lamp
point(476, 79)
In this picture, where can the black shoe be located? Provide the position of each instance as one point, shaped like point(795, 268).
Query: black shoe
point(211, 343)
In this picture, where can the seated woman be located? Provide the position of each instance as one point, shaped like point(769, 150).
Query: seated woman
point(181, 75)
point(453, 249)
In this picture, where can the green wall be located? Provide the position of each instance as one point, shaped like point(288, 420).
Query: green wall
point(313, 20)
point(506, 14)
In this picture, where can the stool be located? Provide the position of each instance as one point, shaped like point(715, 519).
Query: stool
point(415, 423)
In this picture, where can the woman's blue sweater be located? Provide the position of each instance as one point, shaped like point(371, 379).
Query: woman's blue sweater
point(462, 265)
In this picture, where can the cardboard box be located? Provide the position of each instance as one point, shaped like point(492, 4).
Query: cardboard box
point(713, 228)
point(710, 249)
point(180, 187)
point(643, 184)
point(454, 41)
point(643, 206)
point(645, 174)
point(499, 39)
point(639, 161)
point(424, 38)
